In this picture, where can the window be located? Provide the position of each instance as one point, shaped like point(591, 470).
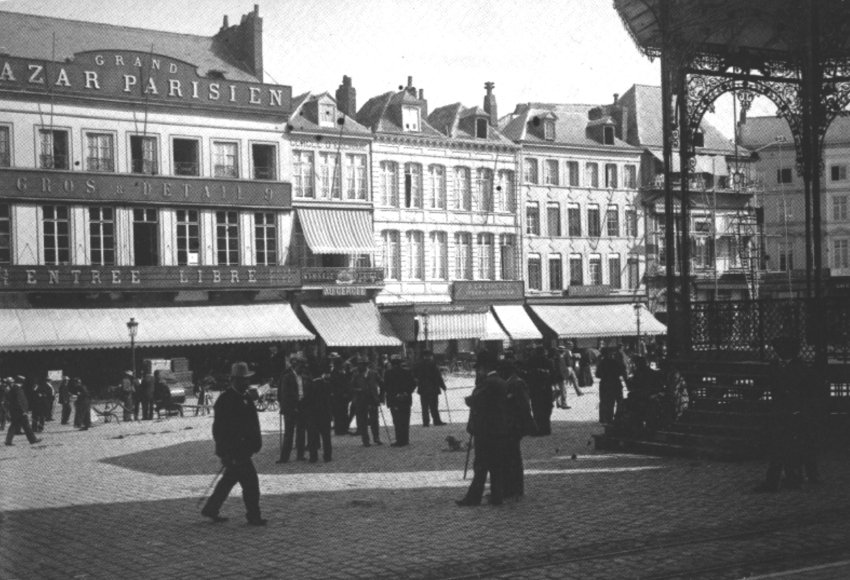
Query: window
point(553, 219)
point(549, 129)
point(784, 175)
point(486, 257)
point(186, 156)
point(507, 253)
point(630, 176)
point(574, 220)
point(416, 255)
point(389, 183)
point(101, 236)
point(576, 270)
point(556, 273)
point(437, 184)
point(841, 253)
point(698, 139)
point(481, 128)
point(633, 273)
point(264, 161)
point(100, 152)
point(572, 173)
point(188, 238)
point(463, 189)
point(631, 222)
point(506, 191)
point(265, 238)
point(144, 157)
point(484, 183)
point(439, 256)
point(410, 118)
point(355, 176)
point(614, 277)
point(56, 237)
point(5, 234)
point(5, 147)
point(328, 178)
point(786, 258)
point(227, 238)
point(463, 256)
point(53, 149)
point(327, 115)
point(535, 276)
point(838, 172)
point(550, 172)
point(610, 176)
point(530, 170)
point(392, 254)
point(145, 237)
point(608, 135)
point(839, 208)
point(591, 175)
point(612, 220)
point(595, 269)
point(302, 173)
point(702, 252)
point(594, 228)
point(413, 185)
point(532, 219)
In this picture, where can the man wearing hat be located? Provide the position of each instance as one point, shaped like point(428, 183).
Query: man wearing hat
point(18, 408)
point(366, 395)
point(236, 431)
point(399, 384)
point(338, 380)
point(128, 391)
point(429, 383)
point(291, 393)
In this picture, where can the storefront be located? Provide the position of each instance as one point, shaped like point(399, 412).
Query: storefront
point(587, 324)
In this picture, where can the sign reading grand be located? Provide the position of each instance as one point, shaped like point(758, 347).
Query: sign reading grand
point(140, 77)
point(153, 189)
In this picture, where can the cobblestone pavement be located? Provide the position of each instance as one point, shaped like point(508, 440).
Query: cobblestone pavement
point(121, 501)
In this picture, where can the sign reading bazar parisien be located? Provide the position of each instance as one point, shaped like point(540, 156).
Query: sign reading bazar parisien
point(74, 185)
point(138, 76)
point(122, 278)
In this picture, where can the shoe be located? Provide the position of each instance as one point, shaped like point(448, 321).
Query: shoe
point(216, 519)
point(396, 444)
point(566, 407)
point(314, 459)
point(301, 459)
point(258, 522)
point(426, 425)
point(10, 444)
point(466, 503)
point(367, 444)
point(440, 424)
point(495, 502)
point(33, 442)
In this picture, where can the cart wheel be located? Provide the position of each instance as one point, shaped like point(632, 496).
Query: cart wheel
point(261, 405)
point(272, 406)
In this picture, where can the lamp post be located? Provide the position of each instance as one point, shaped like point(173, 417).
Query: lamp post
point(132, 328)
point(637, 320)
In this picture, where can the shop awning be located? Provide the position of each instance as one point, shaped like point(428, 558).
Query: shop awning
point(516, 322)
point(597, 320)
point(28, 329)
point(354, 324)
point(461, 325)
point(493, 330)
point(337, 231)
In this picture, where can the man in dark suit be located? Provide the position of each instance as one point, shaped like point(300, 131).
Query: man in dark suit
point(399, 386)
point(430, 383)
point(488, 427)
point(18, 408)
point(236, 430)
point(366, 396)
point(519, 424)
point(318, 411)
point(293, 388)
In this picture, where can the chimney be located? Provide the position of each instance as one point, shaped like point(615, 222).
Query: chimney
point(346, 97)
point(490, 104)
point(424, 102)
point(226, 23)
point(245, 41)
point(411, 90)
point(616, 97)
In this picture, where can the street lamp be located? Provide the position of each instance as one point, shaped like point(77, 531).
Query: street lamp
point(637, 320)
point(132, 328)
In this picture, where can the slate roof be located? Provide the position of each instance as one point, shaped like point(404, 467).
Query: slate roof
point(759, 132)
point(375, 114)
point(32, 36)
point(304, 118)
point(571, 122)
point(458, 122)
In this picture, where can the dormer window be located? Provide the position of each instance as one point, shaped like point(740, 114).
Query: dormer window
point(608, 135)
point(481, 128)
point(327, 115)
point(549, 129)
point(699, 138)
point(410, 118)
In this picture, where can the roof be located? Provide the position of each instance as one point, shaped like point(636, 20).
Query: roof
point(458, 122)
point(762, 132)
point(378, 115)
point(32, 36)
point(571, 123)
point(305, 117)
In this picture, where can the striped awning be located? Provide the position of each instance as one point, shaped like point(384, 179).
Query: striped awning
point(354, 324)
point(29, 329)
point(461, 325)
point(597, 320)
point(516, 322)
point(337, 231)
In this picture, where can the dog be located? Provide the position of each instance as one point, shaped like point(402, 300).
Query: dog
point(454, 444)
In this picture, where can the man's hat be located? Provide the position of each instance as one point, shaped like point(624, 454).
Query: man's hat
point(395, 358)
point(240, 370)
point(128, 373)
point(361, 360)
point(333, 355)
point(20, 378)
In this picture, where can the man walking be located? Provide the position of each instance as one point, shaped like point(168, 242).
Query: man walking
point(236, 431)
point(429, 384)
point(399, 384)
point(65, 399)
point(18, 408)
point(317, 403)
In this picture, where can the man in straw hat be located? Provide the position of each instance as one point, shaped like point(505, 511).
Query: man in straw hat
point(236, 430)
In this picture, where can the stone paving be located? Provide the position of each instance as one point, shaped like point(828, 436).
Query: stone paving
point(121, 501)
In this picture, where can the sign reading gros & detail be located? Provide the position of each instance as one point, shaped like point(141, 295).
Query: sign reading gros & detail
point(73, 185)
point(140, 77)
point(487, 290)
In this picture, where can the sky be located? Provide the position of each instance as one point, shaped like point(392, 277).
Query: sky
point(564, 51)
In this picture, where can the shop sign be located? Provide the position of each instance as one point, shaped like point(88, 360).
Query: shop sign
point(343, 291)
point(487, 290)
point(148, 189)
point(342, 276)
point(131, 278)
point(143, 78)
point(596, 290)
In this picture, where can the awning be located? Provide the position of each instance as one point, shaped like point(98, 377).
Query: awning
point(461, 325)
point(27, 329)
point(597, 320)
point(354, 324)
point(493, 330)
point(337, 231)
point(517, 323)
